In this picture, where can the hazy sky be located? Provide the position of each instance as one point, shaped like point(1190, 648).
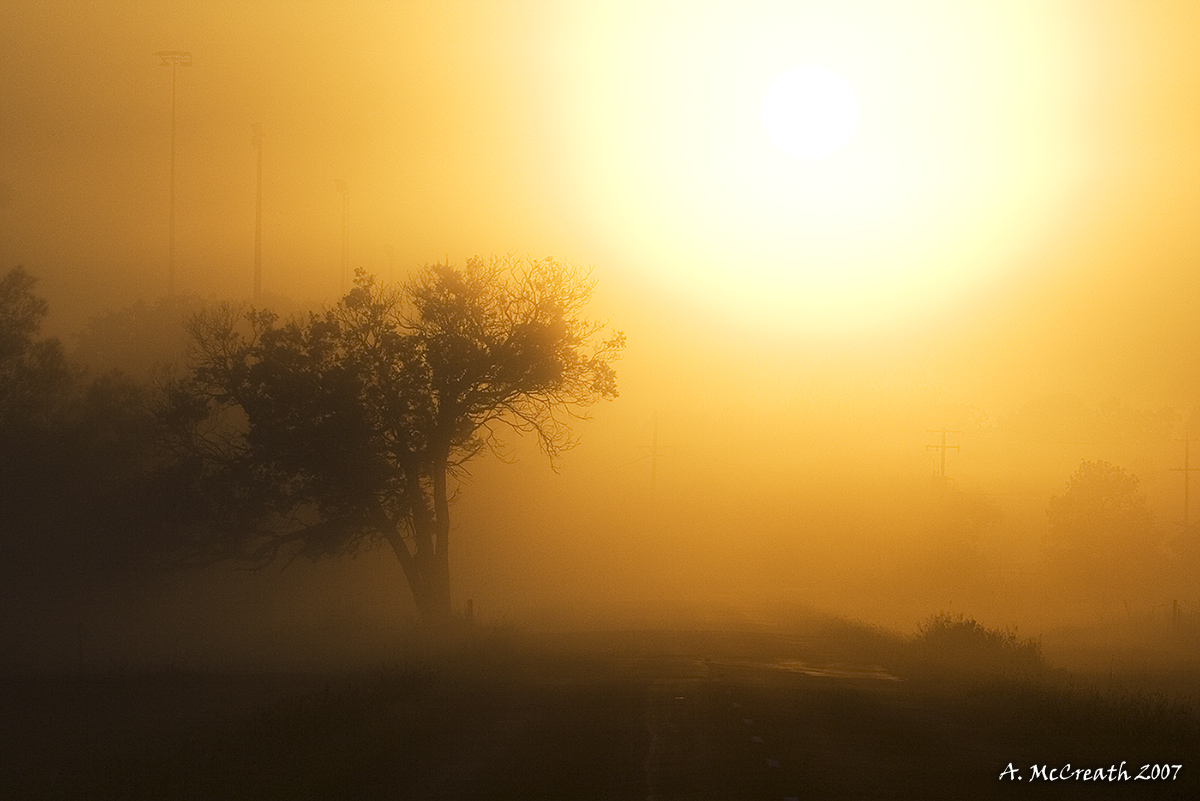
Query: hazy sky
point(1015, 215)
point(1013, 222)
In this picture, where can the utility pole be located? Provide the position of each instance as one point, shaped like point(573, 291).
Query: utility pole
point(1186, 470)
point(653, 455)
point(172, 59)
point(257, 141)
point(344, 190)
point(943, 448)
point(655, 450)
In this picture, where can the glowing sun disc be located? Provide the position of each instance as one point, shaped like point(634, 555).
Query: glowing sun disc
point(810, 112)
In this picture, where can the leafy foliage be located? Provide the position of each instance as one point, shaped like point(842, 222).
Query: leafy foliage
point(963, 642)
point(139, 340)
point(338, 430)
point(1101, 508)
point(33, 372)
point(78, 469)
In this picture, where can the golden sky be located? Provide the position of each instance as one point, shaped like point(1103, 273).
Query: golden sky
point(1019, 191)
point(1013, 222)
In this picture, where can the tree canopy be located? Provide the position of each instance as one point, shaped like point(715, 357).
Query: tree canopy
point(78, 466)
point(33, 370)
point(324, 434)
point(1101, 502)
point(1101, 526)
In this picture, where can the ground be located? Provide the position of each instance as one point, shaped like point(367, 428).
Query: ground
point(634, 715)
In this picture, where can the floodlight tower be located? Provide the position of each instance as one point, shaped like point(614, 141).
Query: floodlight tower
point(257, 142)
point(172, 59)
point(391, 254)
point(344, 190)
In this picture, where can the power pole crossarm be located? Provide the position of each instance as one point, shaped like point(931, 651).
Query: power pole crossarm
point(943, 448)
point(655, 449)
point(1187, 470)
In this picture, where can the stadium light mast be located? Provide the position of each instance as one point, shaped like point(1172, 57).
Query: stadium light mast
point(344, 190)
point(391, 254)
point(257, 142)
point(172, 59)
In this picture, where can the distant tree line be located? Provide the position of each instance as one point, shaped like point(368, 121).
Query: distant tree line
point(82, 481)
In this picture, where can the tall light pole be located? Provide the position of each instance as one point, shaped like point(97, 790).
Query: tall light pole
point(172, 59)
point(344, 190)
point(257, 142)
point(391, 254)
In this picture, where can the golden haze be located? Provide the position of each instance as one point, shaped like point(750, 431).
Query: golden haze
point(1007, 248)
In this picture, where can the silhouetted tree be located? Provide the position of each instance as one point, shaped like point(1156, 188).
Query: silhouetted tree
point(33, 371)
point(143, 339)
point(138, 339)
point(1100, 527)
point(349, 427)
point(77, 456)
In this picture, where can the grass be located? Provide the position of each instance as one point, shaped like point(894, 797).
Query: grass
point(487, 707)
point(999, 685)
point(504, 714)
point(160, 736)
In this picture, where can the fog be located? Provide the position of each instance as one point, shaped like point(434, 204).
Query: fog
point(763, 461)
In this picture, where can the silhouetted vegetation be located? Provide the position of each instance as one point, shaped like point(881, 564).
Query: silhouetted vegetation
point(507, 714)
point(352, 427)
point(943, 643)
point(34, 376)
point(79, 470)
point(958, 641)
point(139, 340)
point(915, 330)
point(1102, 534)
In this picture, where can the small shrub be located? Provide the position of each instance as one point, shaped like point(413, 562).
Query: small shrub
point(956, 641)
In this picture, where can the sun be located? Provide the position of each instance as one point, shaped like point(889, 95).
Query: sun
point(810, 112)
point(826, 169)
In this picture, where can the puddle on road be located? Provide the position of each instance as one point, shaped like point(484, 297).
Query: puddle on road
point(874, 672)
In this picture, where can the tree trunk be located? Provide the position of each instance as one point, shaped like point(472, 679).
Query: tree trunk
point(428, 568)
point(428, 580)
point(436, 610)
point(433, 603)
point(441, 526)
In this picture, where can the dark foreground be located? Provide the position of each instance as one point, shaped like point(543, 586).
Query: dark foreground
point(630, 716)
